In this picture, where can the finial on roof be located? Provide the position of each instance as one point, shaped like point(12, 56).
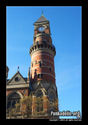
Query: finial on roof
point(42, 13)
point(29, 69)
point(18, 68)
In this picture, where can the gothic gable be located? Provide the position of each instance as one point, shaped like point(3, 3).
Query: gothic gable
point(16, 79)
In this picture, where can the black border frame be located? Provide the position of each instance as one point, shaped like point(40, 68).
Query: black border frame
point(84, 4)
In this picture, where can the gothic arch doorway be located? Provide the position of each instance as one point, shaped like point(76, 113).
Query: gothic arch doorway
point(12, 99)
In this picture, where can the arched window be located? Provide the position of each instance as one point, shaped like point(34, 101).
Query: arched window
point(51, 96)
point(50, 69)
point(39, 93)
point(12, 100)
point(39, 102)
point(52, 99)
point(39, 64)
point(40, 75)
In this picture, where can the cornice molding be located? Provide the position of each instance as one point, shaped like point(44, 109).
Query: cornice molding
point(17, 86)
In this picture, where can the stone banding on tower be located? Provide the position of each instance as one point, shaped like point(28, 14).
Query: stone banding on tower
point(44, 50)
point(42, 71)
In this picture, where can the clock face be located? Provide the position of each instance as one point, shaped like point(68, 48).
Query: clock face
point(41, 29)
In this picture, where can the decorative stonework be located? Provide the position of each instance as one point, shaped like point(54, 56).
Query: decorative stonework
point(17, 86)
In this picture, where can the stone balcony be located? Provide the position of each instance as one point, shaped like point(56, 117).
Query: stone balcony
point(43, 45)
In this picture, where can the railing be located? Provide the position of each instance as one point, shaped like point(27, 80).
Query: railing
point(37, 43)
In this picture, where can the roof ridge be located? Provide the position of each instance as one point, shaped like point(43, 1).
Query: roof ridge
point(42, 19)
point(14, 76)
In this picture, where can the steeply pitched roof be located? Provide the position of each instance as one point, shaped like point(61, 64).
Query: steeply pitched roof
point(41, 19)
point(16, 74)
point(25, 79)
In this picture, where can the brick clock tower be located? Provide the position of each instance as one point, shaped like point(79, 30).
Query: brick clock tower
point(42, 71)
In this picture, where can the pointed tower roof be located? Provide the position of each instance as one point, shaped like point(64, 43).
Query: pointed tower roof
point(29, 74)
point(41, 20)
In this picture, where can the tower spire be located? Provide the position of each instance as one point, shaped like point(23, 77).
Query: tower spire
point(42, 13)
point(18, 68)
point(28, 73)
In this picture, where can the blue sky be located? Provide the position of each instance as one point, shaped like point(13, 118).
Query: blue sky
point(65, 25)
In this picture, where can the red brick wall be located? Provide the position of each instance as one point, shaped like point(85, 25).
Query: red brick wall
point(47, 31)
point(18, 90)
point(42, 38)
point(47, 62)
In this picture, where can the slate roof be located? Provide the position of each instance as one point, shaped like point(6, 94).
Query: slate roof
point(41, 19)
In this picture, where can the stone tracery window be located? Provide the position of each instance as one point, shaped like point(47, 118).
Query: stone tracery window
point(51, 96)
point(39, 94)
point(12, 100)
point(39, 102)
